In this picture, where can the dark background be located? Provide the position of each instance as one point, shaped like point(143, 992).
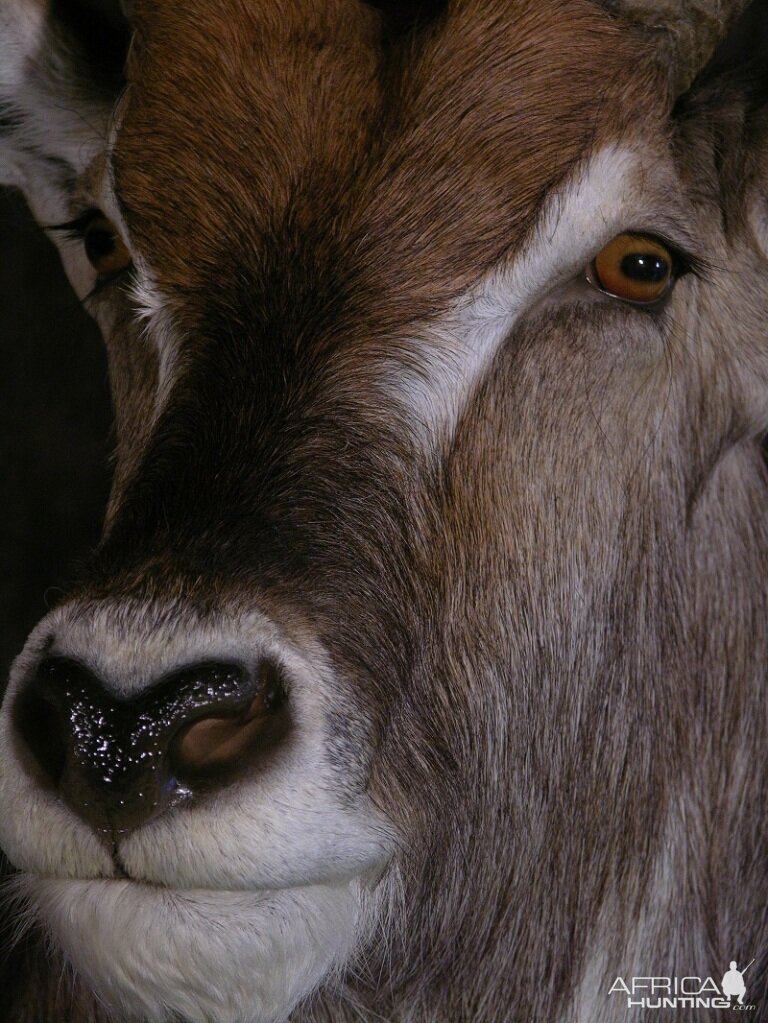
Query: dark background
point(54, 427)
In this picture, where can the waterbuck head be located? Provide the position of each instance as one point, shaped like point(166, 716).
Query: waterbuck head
point(424, 647)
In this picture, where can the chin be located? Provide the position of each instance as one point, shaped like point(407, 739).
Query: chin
point(156, 955)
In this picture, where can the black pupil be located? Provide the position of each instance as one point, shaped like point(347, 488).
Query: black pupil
point(99, 244)
point(645, 266)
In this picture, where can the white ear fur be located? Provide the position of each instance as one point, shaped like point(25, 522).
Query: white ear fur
point(52, 123)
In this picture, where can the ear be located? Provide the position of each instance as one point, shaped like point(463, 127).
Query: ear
point(60, 74)
point(749, 53)
point(684, 33)
point(722, 120)
point(730, 98)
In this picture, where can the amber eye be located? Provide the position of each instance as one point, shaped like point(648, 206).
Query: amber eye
point(635, 268)
point(105, 248)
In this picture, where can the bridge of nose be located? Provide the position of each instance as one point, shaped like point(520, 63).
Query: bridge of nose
point(119, 762)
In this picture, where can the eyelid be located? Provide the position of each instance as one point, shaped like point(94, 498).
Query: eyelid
point(76, 230)
point(77, 227)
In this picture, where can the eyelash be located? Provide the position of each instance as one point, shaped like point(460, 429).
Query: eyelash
point(683, 262)
point(75, 230)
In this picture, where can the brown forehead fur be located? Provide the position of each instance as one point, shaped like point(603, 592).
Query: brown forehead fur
point(415, 165)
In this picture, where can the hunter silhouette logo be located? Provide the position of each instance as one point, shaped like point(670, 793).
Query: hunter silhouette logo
point(733, 982)
point(686, 992)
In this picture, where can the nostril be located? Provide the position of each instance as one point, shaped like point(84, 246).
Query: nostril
point(217, 743)
point(41, 722)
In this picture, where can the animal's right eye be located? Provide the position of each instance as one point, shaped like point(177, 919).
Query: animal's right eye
point(105, 249)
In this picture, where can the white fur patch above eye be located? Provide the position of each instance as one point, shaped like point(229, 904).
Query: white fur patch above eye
point(603, 197)
point(52, 117)
point(51, 128)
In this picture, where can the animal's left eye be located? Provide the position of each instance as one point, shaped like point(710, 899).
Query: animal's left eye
point(105, 249)
point(635, 268)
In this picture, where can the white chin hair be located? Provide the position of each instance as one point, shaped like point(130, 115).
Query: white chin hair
point(154, 954)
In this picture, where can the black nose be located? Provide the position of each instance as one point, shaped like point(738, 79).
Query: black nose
point(119, 762)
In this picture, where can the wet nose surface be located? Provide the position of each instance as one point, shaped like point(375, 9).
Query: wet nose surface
point(118, 763)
